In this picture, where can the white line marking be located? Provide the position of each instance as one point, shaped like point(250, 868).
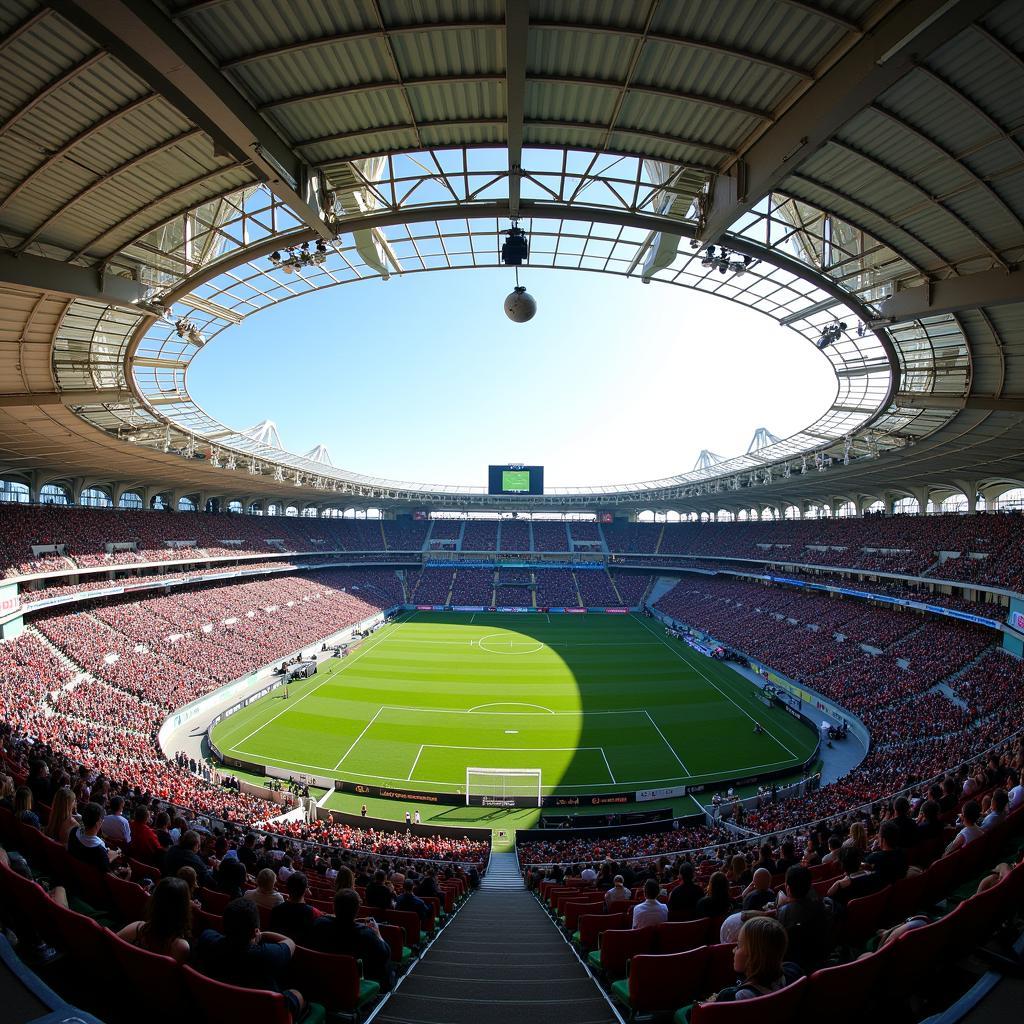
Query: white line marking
point(524, 750)
point(512, 704)
point(359, 737)
point(723, 776)
point(416, 762)
point(667, 744)
point(309, 693)
point(607, 765)
point(686, 661)
point(466, 711)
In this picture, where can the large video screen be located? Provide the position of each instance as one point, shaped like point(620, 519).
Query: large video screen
point(515, 479)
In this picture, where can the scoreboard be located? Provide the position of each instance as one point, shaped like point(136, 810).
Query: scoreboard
point(515, 479)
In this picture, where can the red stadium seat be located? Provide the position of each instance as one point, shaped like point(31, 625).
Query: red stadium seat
point(229, 1004)
point(679, 936)
point(618, 946)
point(128, 899)
point(838, 994)
point(779, 1007)
point(663, 982)
point(333, 980)
point(149, 975)
point(592, 926)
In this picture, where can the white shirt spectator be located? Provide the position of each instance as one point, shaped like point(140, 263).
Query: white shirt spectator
point(649, 912)
point(588, 875)
point(264, 899)
point(115, 828)
point(284, 872)
point(992, 818)
point(970, 833)
point(1016, 796)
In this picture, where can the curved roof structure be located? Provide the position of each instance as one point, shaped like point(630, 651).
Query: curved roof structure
point(859, 161)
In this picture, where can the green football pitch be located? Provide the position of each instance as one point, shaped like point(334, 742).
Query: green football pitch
point(596, 703)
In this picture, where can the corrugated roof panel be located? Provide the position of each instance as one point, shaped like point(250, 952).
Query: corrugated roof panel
point(459, 135)
point(768, 29)
point(934, 173)
point(546, 101)
point(315, 70)
point(232, 30)
point(613, 13)
point(704, 73)
point(307, 122)
point(412, 12)
point(42, 54)
point(95, 159)
point(63, 115)
point(466, 51)
point(689, 120)
point(458, 101)
point(578, 53)
point(377, 141)
point(925, 103)
point(984, 72)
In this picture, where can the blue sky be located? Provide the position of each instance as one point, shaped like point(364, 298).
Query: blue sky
point(422, 378)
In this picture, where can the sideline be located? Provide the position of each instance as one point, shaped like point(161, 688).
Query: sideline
point(696, 668)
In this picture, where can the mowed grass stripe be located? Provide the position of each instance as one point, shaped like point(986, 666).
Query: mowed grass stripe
point(626, 704)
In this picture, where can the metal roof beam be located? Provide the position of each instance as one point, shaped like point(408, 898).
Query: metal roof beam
point(989, 288)
point(146, 41)
point(517, 29)
point(994, 403)
point(64, 279)
point(907, 35)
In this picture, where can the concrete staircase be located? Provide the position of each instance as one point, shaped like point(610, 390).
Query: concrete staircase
point(502, 873)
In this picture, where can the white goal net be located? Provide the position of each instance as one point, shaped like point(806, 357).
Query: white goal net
point(503, 787)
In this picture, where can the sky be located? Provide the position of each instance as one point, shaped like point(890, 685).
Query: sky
point(422, 378)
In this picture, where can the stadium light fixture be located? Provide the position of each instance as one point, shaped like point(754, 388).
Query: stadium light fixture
point(831, 333)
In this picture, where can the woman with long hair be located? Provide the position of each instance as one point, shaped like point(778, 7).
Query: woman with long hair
point(62, 816)
point(23, 807)
point(715, 902)
point(168, 924)
point(858, 837)
point(758, 959)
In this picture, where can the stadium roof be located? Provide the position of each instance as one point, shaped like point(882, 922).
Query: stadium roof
point(868, 157)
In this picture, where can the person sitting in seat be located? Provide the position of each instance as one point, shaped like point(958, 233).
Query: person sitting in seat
point(379, 893)
point(683, 899)
point(411, 902)
point(651, 911)
point(759, 892)
point(342, 933)
point(758, 960)
point(618, 893)
point(247, 957)
point(265, 894)
point(295, 916)
point(167, 923)
point(716, 901)
point(971, 829)
point(84, 842)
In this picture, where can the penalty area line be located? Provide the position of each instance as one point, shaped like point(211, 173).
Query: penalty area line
point(667, 744)
point(416, 762)
point(289, 706)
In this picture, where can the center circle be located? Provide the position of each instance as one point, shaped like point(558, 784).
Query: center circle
point(532, 646)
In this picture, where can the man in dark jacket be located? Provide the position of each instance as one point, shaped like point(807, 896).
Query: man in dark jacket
point(343, 934)
point(186, 854)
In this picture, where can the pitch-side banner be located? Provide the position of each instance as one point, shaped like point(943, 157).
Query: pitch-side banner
point(643, 795)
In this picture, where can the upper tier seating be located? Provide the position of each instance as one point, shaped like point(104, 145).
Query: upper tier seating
point(480, 535)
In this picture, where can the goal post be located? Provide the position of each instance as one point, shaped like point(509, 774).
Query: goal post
point(504, 787)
